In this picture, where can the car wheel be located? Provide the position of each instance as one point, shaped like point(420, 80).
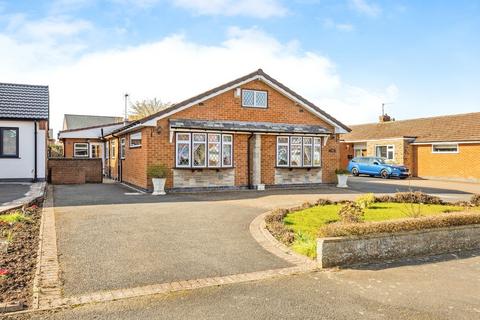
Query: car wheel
point(355, 172)
point(384, 174)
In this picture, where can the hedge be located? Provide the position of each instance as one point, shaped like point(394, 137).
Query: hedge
point(400, 225)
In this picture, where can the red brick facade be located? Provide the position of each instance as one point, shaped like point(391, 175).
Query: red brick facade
point(158, 149)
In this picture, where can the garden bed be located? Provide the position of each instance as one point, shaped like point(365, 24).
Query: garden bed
point(18, 263)
point(300, 227)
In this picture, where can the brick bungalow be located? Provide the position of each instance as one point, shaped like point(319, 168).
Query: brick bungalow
point(249, 132)
point(445, 147)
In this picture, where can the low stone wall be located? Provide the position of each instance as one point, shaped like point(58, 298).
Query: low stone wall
point(187, 178)
point(298, 175)
point(75, 171)
point(345, 251)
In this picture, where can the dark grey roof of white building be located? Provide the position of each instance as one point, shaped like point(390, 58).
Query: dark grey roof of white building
point(244, 126)
point(77, 121)
point(22, 101)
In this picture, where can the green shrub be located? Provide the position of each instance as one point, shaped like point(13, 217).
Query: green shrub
point(475, 200)
point(157, 171)
point(351, 212)
point(400, 225)
point(366, 200)
point(281, 232)
point(342, 171)
point(410, 197)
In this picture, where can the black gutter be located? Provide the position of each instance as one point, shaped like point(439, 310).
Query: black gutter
point(35, 150)
point(249, 161)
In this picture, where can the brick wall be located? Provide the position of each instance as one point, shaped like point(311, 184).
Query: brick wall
point(75, 171)
point(462, 166)
point(157, 149)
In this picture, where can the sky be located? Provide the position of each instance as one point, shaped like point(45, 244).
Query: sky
point(421, 58)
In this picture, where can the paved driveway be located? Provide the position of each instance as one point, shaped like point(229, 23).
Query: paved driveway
point(111, 238)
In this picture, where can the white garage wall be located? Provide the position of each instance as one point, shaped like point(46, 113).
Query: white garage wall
point(23, 167)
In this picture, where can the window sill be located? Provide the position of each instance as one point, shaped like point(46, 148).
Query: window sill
point(306, 168)
point(9, 157)
point(135, 147)
point(205, 168)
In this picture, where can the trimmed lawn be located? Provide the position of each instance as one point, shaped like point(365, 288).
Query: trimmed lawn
point(306, 223)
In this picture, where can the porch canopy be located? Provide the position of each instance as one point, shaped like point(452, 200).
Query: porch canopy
point(247, 126)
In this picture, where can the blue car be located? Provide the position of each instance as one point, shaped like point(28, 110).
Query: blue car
point(375, 166)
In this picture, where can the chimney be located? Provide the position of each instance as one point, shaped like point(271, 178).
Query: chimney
point(385, 118)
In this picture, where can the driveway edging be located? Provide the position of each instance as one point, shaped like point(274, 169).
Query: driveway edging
point(259, 232)
point(46, 284)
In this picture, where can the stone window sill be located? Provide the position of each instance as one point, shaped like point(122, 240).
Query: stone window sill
point(201, 169)
point(291, 168)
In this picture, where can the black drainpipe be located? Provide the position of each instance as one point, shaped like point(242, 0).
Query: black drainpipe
point(35, 150)
point(249, 161)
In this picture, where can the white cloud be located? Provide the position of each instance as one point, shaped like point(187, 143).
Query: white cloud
point(176, 68)
point(364, 7)
point(330, 24)
point(251, 8)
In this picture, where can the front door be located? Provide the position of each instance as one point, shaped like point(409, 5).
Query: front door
point(96, 151)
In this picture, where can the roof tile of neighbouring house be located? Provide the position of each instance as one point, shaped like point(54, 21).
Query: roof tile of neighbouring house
point(78, 121)
point(243, 126)
point(458, 127)
point(205, 94)
point(23, 101)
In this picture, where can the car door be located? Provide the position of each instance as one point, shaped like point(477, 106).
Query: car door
point(375, 166)
point(363, 165)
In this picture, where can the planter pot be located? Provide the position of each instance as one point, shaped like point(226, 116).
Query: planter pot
point(342, 180)
point(158, 186)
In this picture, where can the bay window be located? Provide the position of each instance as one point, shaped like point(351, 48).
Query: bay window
point(297, 151)
point(203, 150)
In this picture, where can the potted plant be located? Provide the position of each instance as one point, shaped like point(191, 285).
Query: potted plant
point(342, 177)
point(158, 173)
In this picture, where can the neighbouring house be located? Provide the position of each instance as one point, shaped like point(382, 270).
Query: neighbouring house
point(248, 133)
point(24, 115)
point(444, 147)
point(79, 121)
point(87, 142)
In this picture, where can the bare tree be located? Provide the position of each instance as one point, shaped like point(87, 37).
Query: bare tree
point(141, 109)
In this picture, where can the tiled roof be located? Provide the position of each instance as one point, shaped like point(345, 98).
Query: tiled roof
point(458, 127)
point(243, 126)
point(21, 101)
point(77, 121)
point(258, 72)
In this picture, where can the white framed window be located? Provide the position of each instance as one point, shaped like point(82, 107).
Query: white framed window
point(80, 150)
point(183, 150)
point(254, 98)
point(283, 155)
point(199, 150)
point(298, 151)
point(445, 148)
point(317, 152)
point(227, 150)
point(214, 149)
point(295, 151)
point(386, 152)
point(122, 148)
point(114, 149)
point(202, 150)
point(136, 139)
